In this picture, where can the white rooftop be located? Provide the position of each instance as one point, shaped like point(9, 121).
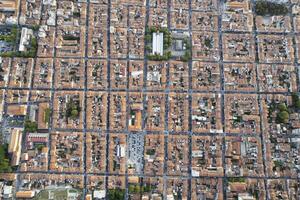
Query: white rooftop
point(25, 38)
point(157, 43)
point(99, 194)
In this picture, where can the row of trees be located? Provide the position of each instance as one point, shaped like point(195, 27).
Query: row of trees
point(4, 159)
point(264, 8)
point(134, 188)
point(296, 101)
point(116, 194)
point(166, 56)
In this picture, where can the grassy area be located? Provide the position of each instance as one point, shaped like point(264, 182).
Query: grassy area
point(47, 115)
point(43, 195)
point(55, 194)
point(59, 194)
point(13, 38)
point(4, 159)
point(116, 194)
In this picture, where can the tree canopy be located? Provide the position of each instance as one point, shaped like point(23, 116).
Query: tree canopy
point(4, 160)
point(267, 8)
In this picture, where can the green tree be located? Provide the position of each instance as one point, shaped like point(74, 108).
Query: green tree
point(30, 126)
point(297, 105)
point(73, 109)
point(12, 37)
point(4, 160)
point(116, 194)
point(207, 42)
point(74, 114)
point(263, 7)
point(148, 37)
point(282, 107)
point(186, 57)
point(279, 164)
point(150, 152)
point(283, 117)
point(236, 179)
point(40, 147)
point(296, 101)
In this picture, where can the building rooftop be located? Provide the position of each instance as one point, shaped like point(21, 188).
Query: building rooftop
point(157, 43)
point(157, 99)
